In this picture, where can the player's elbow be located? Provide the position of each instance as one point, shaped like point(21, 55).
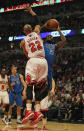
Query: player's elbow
point(63, 43)
point(64, 40)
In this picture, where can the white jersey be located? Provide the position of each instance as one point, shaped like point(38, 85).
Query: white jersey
point(3, 83)
point(34, 45)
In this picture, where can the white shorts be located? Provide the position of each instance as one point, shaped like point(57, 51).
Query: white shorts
point(44, 104)
point(36, 69)
point(4, 97)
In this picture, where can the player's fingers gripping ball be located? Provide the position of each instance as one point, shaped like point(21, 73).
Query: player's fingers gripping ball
point(52, 24)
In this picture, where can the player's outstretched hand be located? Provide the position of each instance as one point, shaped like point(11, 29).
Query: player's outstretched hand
point(28, 8)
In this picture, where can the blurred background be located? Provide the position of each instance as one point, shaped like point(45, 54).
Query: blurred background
point(68, 68)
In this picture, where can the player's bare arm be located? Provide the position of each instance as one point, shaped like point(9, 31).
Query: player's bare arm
point(45, 25)
point(29, 9)
point(61, 43)
point(52, 92)
point(63, 38)
point(23, 82)
point(24, 85)
point(22, 45)
point(37, 28)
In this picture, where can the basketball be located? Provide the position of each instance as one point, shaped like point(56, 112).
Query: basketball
point(52, 24)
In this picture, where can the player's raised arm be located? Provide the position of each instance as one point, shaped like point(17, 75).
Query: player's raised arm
point(45, 25)
point(29, 9)
point(37, 29)
point(36, 19)
point(61, 43)
point(35, 16)
point(63, 38)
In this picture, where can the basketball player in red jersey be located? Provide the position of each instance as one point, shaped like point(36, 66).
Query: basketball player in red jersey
point(4, 97)
point(36, 70)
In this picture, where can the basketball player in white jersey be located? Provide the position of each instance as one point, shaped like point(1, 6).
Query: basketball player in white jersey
point(44, 89)
point(4, 97)
point(35, 72)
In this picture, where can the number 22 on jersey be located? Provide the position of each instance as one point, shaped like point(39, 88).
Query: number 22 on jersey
point(35, 46)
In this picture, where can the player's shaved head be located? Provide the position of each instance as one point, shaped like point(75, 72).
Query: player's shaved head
point(27, 29)
point(49, 37)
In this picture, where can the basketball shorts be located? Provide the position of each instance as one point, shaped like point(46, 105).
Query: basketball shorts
point(4, 97)
point(36, 70)
point(15, 98)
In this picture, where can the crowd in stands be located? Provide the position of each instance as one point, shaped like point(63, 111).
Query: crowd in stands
point(68, 72)
point(68, 102)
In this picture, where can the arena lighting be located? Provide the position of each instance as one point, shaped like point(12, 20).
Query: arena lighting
point(56, 33)
point(82, 31)
point(19, 37)
point(38, 3)
point(10, 38)
point(44, 35)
